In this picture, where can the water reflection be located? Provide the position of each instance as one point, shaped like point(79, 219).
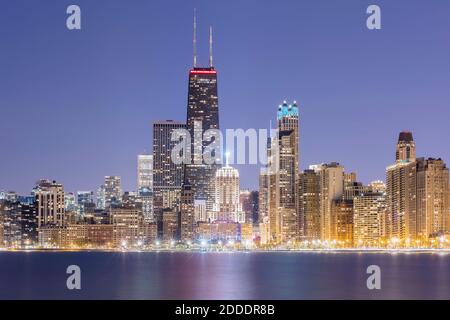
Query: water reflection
point(223, 275)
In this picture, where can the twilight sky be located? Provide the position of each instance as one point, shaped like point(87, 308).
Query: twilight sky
point(78, 105)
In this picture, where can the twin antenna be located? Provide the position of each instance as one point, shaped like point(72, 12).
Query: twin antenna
point(195, 42)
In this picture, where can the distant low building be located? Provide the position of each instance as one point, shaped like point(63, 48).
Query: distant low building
point(218, 231)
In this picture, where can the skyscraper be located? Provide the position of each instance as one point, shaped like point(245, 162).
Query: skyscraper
point(331, 180)
point(145, 171)
point(50, 203)
point(113, 191)
point(401, 190)
point(227, 206)
point(309, 203)
point(342, 222)
point(202, 115)
point(432, 198)
point(167, 174)
point(188, 219)
point(369, 210)
point(84, 199)
point(283, 176)
point(263, 194)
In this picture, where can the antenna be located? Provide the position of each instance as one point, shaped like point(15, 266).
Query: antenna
point(195, 38)
point(210, 47)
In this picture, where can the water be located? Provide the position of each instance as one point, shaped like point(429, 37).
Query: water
point(271, 276)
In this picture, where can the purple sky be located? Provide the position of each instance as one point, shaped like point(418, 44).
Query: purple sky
point(78, 105)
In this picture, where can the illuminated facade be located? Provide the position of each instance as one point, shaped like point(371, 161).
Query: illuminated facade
point(401, 190)
point(342, 222)
point(282, 177)
point(188, 221)
point(263, 198)
point(145, 172)
point(50, 204)
point(112, 191)
point(167, 175)
point(369, 210)
point(309, 204)
point(202, 115)
point(227, 206)
point(128, 226)
point(432, 198)
point(331, 184)
point(218, 231)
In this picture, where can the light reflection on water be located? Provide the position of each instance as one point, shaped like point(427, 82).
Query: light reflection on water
point(271, 276)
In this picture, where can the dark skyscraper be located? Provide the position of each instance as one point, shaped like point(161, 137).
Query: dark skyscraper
point(202, 115)
point(167, 175)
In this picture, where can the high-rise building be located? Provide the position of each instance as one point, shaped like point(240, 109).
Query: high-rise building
point(369, 211)
point(342, 222)
point(202, 115)
point(70, 202)
point(254, 199)
point(227, 206)
point(145, 171)
point(331, 180)
point(100, 198)
point(112, 191)
point(432, 198)
point(167, 174)
point(50, 204)
point(309, 204)
point(282, 174)
point(401, 190)
point(263, 194)
point(128, 226)
point(188, 219)
point(18, 224)
point(85, 199)
point(170, 222)
point(288, 147)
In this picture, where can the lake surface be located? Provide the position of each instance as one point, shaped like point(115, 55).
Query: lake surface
point(267, 276)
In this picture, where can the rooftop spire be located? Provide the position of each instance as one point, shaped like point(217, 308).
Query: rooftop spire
point(227, 156)
point(195, 38)
point(210, 47)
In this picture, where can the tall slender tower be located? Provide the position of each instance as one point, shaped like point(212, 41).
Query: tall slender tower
point(167, 175)
point(401, 177)
point(202, 115)
point(283, 176)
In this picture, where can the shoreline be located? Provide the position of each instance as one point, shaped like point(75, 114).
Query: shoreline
point(303, 251)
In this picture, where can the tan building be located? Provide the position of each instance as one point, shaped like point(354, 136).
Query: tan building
point(309, 204)
point(227, 205)
point(50, 203)
point(432, 198)
point(170, 225)
point(342, 222)
point(369, 210)
point(264, 231)
point(401, 190)
point(77, 236)
point(127, 224)
point(218, 231)
point(246, 232)
point(331, 184)
point(283, 170)
point(263, 194)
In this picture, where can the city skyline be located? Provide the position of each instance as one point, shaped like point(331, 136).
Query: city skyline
point(370, 165)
